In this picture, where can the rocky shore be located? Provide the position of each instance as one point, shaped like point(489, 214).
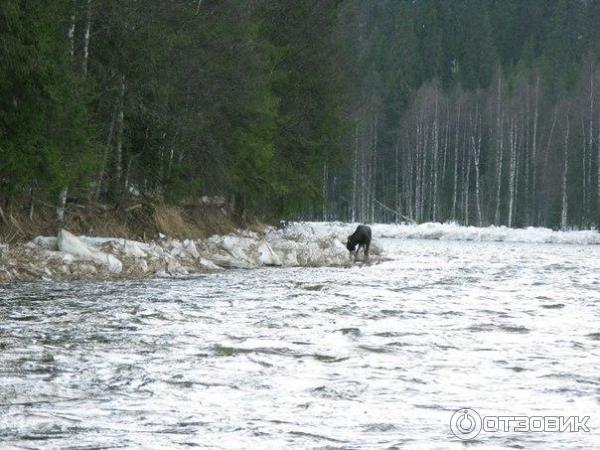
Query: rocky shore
point(70, 257)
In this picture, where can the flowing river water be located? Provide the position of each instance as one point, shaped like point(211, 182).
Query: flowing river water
point(371, 356)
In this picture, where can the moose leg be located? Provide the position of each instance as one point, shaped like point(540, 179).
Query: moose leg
point(367, 251)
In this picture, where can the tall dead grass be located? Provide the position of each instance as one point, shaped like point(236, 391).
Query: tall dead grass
point(141, 222)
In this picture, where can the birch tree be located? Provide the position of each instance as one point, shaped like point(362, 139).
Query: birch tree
point(564, 214)
point(86, 37)
point(512, 170)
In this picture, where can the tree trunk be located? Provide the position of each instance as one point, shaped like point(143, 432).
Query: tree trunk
point(534, 153)
point(476, 143)
point(31, 202)
point(434, 161)
point(71, 35)
point(512, 138)
point(418, 173)
point(564, 197)
point(584, 178)
point(325, 180)
point(466, 174)
point(355, 174)
point(118, 157)
point(397, 181)
point(598, 179)
point(547, 150)
point(373, 183)
point(455, 184)
point(86, 37)
point(588, 197)
point(499, 163)
point(445, 144)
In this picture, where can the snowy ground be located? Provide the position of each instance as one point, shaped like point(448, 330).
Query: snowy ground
point(299, 244)
point(453, 232)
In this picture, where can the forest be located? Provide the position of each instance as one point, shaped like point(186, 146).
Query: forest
point(474, 111)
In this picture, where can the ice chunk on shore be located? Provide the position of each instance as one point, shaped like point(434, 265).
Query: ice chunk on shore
point(267, 256)
point(71, 244)
point(191, 249)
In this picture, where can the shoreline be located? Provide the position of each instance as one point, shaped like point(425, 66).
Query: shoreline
point(68, 257)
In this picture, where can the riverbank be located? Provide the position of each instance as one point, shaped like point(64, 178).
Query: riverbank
point(69, 257)
point(299, 244)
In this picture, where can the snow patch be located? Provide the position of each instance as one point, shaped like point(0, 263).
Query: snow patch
point(446, 231)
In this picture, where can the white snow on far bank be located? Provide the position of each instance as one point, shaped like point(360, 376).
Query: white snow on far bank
point(449, 232)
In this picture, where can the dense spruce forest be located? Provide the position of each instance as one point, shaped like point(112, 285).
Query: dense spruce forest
point(475, 111)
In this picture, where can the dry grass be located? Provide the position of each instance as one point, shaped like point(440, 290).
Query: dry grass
point(140, 221)
point(170, 221)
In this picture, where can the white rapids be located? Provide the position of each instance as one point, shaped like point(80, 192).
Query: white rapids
point(305, 355)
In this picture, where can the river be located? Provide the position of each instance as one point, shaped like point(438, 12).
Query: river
point(370, 356)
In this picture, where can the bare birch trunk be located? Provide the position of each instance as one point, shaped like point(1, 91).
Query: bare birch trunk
point(355, 173)
point(534, 152)
point(499, 163)
point(564, 197)
point(410, 185)
point(418, 173)
point(71, 35)
point(512, 171)
point(476, 159)
point(62, 197)
point(524, 158)
point(424, 174)
point(466, 175)
point(325, 175)
point(363, 184)
point(598, 179)
point(86, 38)
point(445, 144)
point(397, 181)
point(455, 183)
point(588, 197)
point(31, 202)
point(434, 161)
point(584, 184)
point(373, 171)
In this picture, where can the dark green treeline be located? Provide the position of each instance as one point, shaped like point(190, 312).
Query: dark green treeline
point(107, 99)
point(480, 112)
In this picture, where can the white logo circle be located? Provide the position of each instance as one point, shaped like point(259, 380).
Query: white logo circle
point(465, 424)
